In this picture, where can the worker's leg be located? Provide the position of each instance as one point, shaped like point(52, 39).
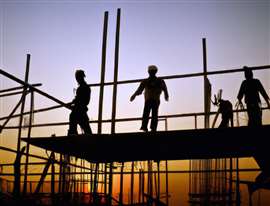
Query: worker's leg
point(224, 123)
point(258, 115)
point(254, 115)
point(154, 121)
point(73, 121)
point(84, 123)
point(146, 112)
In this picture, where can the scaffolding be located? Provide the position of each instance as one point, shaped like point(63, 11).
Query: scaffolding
point(75, 181)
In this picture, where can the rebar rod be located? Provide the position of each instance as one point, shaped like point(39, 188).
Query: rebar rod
point(102, 75)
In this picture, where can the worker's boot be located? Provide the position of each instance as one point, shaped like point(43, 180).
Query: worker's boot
point(72, 133)
point(144, 129)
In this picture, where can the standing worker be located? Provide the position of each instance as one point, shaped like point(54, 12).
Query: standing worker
point(250, 88)
point(79, 108)
point(152, 86)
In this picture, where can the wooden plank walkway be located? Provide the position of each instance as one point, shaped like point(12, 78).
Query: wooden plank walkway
point(170, 145)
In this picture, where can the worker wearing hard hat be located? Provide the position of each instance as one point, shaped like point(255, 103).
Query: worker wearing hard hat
point(250, 89)
point(79, 106)
point(152, 86)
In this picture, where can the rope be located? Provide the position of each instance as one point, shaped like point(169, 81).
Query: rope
point(237, 106)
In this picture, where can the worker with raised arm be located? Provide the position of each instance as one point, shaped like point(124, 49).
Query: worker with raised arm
point(152, 87)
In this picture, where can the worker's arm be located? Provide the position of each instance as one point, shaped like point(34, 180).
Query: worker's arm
point(215, 118)
point(164, 88)
point(69, 104)
point(263, 93)
point(138, 91)
point(241, 93)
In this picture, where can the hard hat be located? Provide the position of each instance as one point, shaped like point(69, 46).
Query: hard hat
point(152, 68)
point(247, 70)
point(79, 73)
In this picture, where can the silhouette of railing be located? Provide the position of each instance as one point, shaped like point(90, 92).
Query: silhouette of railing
point(94, 168)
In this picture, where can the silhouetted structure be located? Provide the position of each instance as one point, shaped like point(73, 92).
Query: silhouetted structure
point(169, 145)
point(82, 183)
point(226, 109)
point(250, 88)
point(79, 106)
point(153, 87)
point(17, 173)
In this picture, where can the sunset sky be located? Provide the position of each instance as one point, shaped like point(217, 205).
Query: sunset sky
point(64, 35)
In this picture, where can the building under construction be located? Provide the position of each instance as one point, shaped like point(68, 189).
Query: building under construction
point(108, 169)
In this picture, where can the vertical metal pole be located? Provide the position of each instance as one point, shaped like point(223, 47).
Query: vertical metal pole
point(105, 178)
point(110, 183)
point(230, 180)
point(196, 122)
point(75, 187)
point(155, 187)
point(140, 186)
point(60, 174)
point(121, 185)
point(102, 76)
point(238, 199)
point(116, 57)
point(81, 177)
point(206, 118)
point(167, 184)
point(150, 182)
point(225, 177)
point(17, 174)
point(158, 182)
point(64, 174)
point(132, 183)
point(53, 179)
point(95, 182)
point(17, 181)
point(143, 182)
point(166, 124)
point(91, 178)
point(31, 190)
point(207, 90)
point(27, 144)
point(192, 176)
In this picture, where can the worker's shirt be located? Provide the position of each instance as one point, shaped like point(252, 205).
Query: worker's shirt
point(82, 97)
point(152, 87)
point(251, 89)
point(226, 109)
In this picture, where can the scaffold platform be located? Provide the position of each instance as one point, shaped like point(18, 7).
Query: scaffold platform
point(162, 145)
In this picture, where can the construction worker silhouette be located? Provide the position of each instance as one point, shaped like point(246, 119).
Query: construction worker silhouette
point(152, 86)
point(250, 88)
point(79, 108)
point(226, 111)
point(225, 108)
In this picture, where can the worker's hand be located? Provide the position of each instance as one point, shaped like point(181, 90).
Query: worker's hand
point(239, 104)
point(69, 105)
point(132, 97)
